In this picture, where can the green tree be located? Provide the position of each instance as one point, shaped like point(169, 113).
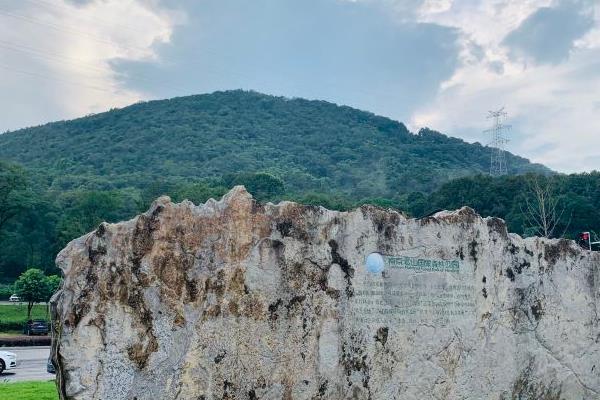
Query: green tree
point(199, 193)
point(32, 286)
point(54, 282)
point(12, 192)
point(261, 185)
point(152, 191)
point(85, 210)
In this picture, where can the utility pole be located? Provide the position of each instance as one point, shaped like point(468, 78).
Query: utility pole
point(498, 142)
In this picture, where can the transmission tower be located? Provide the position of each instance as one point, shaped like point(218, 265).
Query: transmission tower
point(498, 142)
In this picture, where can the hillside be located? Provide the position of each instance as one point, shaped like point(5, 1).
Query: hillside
point(309, 145)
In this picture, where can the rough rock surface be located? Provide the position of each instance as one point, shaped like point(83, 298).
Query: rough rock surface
point(237, 300)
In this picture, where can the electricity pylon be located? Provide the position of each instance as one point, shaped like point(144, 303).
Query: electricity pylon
point(498, 142)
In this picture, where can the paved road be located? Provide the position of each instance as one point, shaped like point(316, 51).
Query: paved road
point(31, 364)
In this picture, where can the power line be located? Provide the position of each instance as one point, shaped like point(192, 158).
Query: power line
point(43, 76)
point(289, 84)
point(224, 72)
point(30, 51)
point(78, 63)
point(95, 19)
point(56, 27)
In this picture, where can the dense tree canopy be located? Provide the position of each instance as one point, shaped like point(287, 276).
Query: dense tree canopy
point(61, 180)
point(311, 146)
point(54, 217)
point(577, 196)
point(13, 197)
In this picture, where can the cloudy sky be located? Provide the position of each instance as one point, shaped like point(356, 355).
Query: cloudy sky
point(437, 63)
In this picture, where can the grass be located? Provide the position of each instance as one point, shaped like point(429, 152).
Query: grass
point(33, 390)
point(13, 316)
point(18, 312)
point(10, 333)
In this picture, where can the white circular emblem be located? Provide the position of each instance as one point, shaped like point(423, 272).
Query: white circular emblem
point(374, 263)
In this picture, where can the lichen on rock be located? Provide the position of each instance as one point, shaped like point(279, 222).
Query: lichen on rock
point(238, 300)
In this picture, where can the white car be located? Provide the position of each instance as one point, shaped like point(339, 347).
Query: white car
point(8, 361)
point(14, 298)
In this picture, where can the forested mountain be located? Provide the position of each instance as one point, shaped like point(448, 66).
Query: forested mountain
point(61, 180)
point(309, 145)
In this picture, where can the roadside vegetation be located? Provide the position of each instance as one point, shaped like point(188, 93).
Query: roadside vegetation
point(46, 219)
point(32, 287)
point(13, 316)
point(61, 180)
point(34, 390)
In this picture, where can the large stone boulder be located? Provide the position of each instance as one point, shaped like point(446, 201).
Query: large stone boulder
point(238, 300)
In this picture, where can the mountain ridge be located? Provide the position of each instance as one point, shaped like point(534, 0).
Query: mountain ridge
point(308, 144)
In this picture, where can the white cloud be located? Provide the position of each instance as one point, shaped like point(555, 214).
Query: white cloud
point(55, 63)
point(552, 106)
point(55, 56)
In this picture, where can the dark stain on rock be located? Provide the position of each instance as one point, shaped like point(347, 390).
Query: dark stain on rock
point(139, 354)
point(219, 357)
point(554, 251)
point(348, 271)
point(536, 310)
point(512, 249)
point(101, 230)
point(234, 308)
point(213, 311)
point(291, 224)
point(484, 292)
point(353, 360)
point(323, 388)
point(169, 268)
point(428, 220)
point(333, 293)
point(382, 335)
point(142, 240)
point(497, 225)
point(590, 279)
point(323, 281)
point(257, 207)
point(81, 306)
point(520, 295)
point(191, 289)
point(217, 285)
point(521, 266)
point(273, 309)
point(460, 254)
point(179, 320)
point(278, 246)
point(484, 279)
point(526, 388)
point(227, 387)
point(473, 250)
point(510, 274)
point(285, 227)
point(384, 221)
point(95, 252)
point(389, 232)
point(293, 302)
